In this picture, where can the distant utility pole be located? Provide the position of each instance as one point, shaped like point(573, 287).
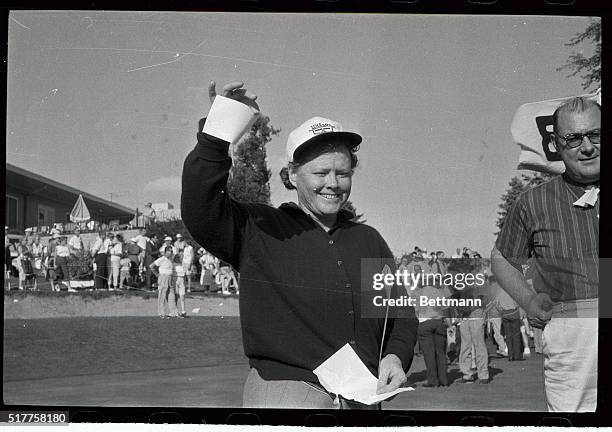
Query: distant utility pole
point(115, 194)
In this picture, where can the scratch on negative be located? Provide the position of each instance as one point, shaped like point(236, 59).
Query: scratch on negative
point(245, 60)
point(22, 25)
point(155, 65)
point(178, 57)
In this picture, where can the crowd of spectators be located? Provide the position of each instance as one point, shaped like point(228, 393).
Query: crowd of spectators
point(459, 334)
point(113, 262)
point(173, 266)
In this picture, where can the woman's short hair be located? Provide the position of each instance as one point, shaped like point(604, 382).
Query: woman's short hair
point(311, 153)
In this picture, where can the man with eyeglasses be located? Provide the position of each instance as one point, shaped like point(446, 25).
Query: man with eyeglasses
point(556, 224)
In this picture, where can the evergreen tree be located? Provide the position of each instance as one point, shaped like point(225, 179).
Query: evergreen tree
point(358, 217)
point(249, 177)
point(170, 227)
point(517, 187)
point(590, 66)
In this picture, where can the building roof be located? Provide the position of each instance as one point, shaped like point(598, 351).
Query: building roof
point(35, 184)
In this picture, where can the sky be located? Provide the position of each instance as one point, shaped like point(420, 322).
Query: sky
point(108, 102)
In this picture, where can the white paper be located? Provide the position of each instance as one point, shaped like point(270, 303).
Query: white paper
point(345, 374)
point(589, 198)
point(229, 119)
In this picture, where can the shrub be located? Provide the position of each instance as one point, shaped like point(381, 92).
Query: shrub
point(80, 266)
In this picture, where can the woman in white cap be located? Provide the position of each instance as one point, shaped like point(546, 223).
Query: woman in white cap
point(167, 242)
point(300, 264)
point(179, 244)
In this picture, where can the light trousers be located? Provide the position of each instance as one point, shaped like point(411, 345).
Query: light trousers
point(496, 324)
point(115, 268)
point(260, 393)
point(569, 344)
point(472, 332)
point(163, 285)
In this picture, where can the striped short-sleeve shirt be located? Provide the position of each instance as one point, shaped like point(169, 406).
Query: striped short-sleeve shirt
point(562, 239)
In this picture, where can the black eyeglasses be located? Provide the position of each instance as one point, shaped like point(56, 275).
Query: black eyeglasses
point(574, 140)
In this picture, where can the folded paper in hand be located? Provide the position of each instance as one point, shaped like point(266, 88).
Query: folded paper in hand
point(229, 119)
point(345, 374)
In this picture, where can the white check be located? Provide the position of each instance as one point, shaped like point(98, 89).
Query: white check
point(345, 374)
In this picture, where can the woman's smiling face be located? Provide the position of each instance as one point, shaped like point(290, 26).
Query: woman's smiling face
point(324, 183)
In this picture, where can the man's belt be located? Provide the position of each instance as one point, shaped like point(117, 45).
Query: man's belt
point(576, 306)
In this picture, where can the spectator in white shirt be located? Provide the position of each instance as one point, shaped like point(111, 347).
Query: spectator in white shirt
point(179, 244)
point(7, 252)
point(167, 243)
point(141, 240)
point(188, 263)
point(99, 252)
point(210, 268)
point(27, 239)
point(37, 250)
point(163, 268)
point(202, 262)
point(148, 214)
point(116, 251)
point(62, 252)
point(124, 274)
point(179, 284)
point(75, 244)
point(226, 279)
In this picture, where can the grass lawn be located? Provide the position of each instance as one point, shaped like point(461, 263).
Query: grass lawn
point(197, 362)
point(57, 347)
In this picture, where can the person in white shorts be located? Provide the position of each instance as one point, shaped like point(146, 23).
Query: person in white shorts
point(188, 262)
point(179, 277)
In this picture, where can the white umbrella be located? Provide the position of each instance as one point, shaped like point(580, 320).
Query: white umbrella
point(79, 212)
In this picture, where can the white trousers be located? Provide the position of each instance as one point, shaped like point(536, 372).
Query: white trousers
point(569, 345)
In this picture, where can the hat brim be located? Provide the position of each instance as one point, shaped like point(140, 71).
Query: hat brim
point(351, 138)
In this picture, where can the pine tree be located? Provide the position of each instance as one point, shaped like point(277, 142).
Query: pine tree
point(249, 177)
point(589, 66)
point(170, 227)
point(358, 217)
point(517, 187)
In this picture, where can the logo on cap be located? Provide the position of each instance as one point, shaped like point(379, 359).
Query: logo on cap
point(320, 128)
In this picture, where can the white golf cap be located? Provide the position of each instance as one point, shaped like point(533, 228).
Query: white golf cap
point(167, 238)
point(179, 235)
point(312, 130)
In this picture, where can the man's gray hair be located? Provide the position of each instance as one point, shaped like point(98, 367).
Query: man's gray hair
point(577, 104)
